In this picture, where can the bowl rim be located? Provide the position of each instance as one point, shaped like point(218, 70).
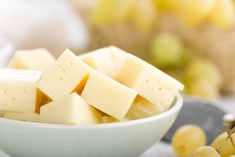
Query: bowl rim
point(175, 108)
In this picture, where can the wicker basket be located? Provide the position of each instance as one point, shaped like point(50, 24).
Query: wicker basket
point(213, 43)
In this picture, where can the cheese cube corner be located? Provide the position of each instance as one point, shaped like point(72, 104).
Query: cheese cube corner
point(29, 117)
point(68, 74)
point(108, 95)
point(18, 90)
point(107, 60)
point(72, 110)
point(149, 82)
point(100, 60)
point(37, 59)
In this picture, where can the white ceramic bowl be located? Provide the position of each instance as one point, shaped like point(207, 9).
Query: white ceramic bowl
point(124, 139)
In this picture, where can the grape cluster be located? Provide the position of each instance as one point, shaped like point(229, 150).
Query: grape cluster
point(200, 76)
point(142, 13)
point(190, 140)
point(195, 12)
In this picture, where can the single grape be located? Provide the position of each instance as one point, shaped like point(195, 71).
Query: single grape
point(102, 13)
point(187, 139)
point(223, 14)
point(166, 49)
point(194, 12)
point(203, 88)
point(144, 14)
point(205, 151)
point(123, 11)
point(202, 69)
point(224, 145)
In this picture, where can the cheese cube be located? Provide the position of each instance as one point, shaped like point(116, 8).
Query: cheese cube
point(71, 109)
point(108, 95)
point(38, 59)
point(107, 60)
point(18, 91)
point(100, 60)
point(141, 108)
point(66, 75)
point(29, 117)
point(118, 55)
point(149, 82)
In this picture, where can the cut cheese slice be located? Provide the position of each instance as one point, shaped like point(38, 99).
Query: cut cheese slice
point(108, 95)
point(37, 59)
point(29, 117)
point(107, 60)
point(66, 75)
point(72, 110)
point(18, 91)
point(141, 108)
point(149, 82)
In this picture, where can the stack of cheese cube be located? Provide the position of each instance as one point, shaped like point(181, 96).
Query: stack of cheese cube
point(103, 86)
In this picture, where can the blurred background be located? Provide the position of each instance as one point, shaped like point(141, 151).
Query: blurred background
point(192, 40)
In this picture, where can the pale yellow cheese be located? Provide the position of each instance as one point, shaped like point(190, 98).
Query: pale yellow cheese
point(108, 95)
point(18, 91)
point(141, 108)
point(29, 117)
point(107, 60)
point(71, 109)
point(37, 59)
point(100, 60)
point(149, 82)
point(66, 75)
point(109, 119)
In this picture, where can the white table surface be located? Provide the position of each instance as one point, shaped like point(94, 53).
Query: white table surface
point(165, 150)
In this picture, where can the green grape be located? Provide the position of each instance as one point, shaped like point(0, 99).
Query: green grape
point(200, 69)
point(223, 13)
point(123, 11)
point(102, 13)
point(194, 12)
point(205, 151)
point(204, 89)
point(224, 145)
point(187, 139)
point(166, 5)
point(166, 49)
point(143, 14)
